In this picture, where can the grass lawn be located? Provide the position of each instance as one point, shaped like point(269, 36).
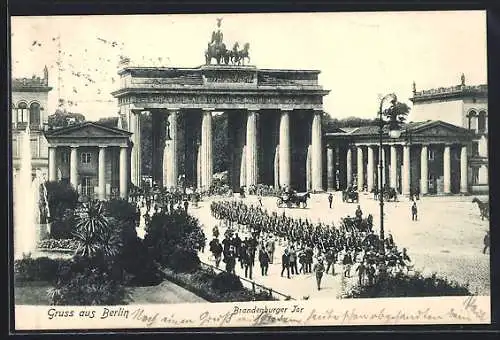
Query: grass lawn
point(32, 293)
point(35, 293)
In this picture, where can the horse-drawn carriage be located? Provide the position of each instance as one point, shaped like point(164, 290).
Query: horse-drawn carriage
point(290, 199)
point(350, 196)
point(388, 192)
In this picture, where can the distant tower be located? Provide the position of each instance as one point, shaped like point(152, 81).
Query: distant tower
point(414, 87)
point(46, 75)
point(462, 78)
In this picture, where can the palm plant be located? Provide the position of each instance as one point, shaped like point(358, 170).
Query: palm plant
point(94, 233)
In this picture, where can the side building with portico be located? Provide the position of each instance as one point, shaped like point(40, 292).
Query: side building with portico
point(94, 158)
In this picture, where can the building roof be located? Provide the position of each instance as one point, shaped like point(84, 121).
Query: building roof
point(430, 130)
point(452, 92)
point(87, 129)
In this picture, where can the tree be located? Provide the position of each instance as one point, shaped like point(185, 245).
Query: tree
point(62, 118)
point(396, 114)
point(108, 121)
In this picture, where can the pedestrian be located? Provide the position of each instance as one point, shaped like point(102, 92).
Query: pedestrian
point(330, 200)
point(347, 262)
point(414, 211)
point(417, 193)
point(486, 241)
point(264, 261)
point(216, 249)
point(247, 259)
point(361, 272)
point(186, 205)
point(260, 200)
point(230, 260)
point(293, 261)
point(285, 263)
point(319, 268)
point(330, 260)
point(270, 247)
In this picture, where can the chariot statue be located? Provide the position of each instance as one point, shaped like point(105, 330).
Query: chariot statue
point(216, 49)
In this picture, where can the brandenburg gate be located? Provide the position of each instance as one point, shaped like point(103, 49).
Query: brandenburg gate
point(273, 120)
point(274, 123)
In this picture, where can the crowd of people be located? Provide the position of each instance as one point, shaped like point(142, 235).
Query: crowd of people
point(307, 247)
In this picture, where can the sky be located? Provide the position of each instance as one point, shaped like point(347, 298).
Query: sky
point(360, 55)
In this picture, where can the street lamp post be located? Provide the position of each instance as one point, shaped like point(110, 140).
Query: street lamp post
point(393, 133)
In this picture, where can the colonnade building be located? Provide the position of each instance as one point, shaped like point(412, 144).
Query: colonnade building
point(444, 154)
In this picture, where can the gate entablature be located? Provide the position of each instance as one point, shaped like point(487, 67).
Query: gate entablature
point(223, 86)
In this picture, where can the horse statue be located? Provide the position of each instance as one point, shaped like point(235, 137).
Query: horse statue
point(484, 208)
point(239, 56)
point(217, 52)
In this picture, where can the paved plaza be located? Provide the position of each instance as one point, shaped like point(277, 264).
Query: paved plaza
point(447, 239)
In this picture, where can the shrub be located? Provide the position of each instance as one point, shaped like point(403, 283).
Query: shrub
point(184, 261)
point(226, 282)
point(89, 281)
point(62, 197)
point(169, 231)
point(139, 264)
point(403, 285)
point(58, 244)
point(61, 229)
point(39, 269)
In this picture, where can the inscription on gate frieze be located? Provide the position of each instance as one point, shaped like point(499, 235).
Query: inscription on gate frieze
point(199, 99)
point(236, 76)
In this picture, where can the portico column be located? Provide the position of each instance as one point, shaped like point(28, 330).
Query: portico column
point(170, 172)
point(316, 155)
point(52, 164)
point(206, 152)
point(330, 175)
point(406, 170)
point(359, 164)
point(423, 170)
point(124, 179)
point(284, 149)
point(369, 177)
point(102, 173)
point(198, 167)
point(394, 167)
point(252, 170)
point(463, 169)
point(135, 127)
point(73, 167)
point(447, 169)
point(349, 166)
